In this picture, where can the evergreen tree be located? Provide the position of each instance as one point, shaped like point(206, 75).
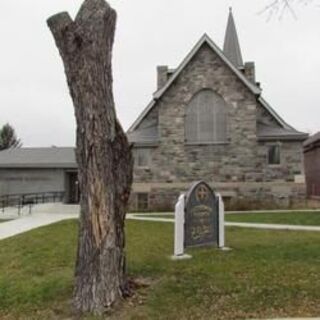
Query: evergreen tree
point(8, 138)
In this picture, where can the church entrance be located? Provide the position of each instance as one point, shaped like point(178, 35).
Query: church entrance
point(72, 188)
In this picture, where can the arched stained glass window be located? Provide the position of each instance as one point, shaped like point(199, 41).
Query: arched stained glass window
point(206, 118)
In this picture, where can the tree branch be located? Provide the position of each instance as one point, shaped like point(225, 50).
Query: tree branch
point(281, 7)
point(59, 23)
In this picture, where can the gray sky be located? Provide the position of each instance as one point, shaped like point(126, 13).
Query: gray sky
point(33, 93)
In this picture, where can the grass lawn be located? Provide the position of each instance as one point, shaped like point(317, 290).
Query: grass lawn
point(267, 274)
point(305, 218)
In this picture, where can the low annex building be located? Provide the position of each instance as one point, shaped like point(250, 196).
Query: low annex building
point(206, 121)
point(27, 171)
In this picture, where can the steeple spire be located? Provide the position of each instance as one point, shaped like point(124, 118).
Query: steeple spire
point(231, 46)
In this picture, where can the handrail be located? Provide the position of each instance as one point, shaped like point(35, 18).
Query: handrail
point(30, 199)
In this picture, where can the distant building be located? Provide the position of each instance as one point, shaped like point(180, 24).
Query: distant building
point(312, 165)
point(207, 121)
point(39, 170)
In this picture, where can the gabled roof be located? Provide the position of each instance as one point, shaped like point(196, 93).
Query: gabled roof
point(38, 158)
point(268, 132)
point(274, 114)
point(145, 135)
point(231, 46)
point(205, 39)
point(313, 139)
point(284, 132)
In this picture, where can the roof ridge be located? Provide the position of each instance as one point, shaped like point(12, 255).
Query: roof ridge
point(204, 39)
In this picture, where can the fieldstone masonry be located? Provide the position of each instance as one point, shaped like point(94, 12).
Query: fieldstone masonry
point(239, 166)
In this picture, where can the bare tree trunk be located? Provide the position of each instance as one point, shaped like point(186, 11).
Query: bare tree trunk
point(103, 154)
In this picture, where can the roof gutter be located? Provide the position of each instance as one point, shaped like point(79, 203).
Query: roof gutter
point(298, 137)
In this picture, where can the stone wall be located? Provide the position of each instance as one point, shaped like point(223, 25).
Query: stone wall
point(291, 165)
point(175, 161)
point(237, 196)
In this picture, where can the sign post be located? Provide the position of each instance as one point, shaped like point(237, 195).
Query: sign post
point(221, 241)
point(179, 230)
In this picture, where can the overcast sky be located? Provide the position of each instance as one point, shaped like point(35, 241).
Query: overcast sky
point(33, 93)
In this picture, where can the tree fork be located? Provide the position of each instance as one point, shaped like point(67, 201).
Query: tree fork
point(103, 154)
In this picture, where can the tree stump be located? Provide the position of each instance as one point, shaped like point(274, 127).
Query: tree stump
point(103, 154)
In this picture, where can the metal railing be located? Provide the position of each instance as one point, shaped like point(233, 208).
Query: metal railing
point(29, 199)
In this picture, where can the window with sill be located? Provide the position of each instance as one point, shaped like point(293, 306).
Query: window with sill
point(206, 118)
point(142, 157)
point(143, 201)
point(274, 157)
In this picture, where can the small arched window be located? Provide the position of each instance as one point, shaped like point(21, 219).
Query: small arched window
point(206, 118)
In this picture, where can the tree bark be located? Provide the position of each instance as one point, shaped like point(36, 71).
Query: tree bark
point(103, 154)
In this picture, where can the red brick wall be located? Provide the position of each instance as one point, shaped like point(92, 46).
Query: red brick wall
point(312, 170)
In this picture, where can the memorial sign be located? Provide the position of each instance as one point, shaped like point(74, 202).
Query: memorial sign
point(201, 226)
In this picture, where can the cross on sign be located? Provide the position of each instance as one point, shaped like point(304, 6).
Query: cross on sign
point(202, 193)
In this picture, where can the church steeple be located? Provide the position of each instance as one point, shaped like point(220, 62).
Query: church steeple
point(231, 46)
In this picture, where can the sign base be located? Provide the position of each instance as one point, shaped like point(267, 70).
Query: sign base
point(180, 257)
point(225, 249)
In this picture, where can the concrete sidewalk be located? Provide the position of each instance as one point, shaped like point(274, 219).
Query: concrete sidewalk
point(265, 226)
point(54, 207)
point(45, 214)
point(272, 226)
point(42, 215)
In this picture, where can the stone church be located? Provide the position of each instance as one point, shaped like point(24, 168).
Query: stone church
point(208, 121)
